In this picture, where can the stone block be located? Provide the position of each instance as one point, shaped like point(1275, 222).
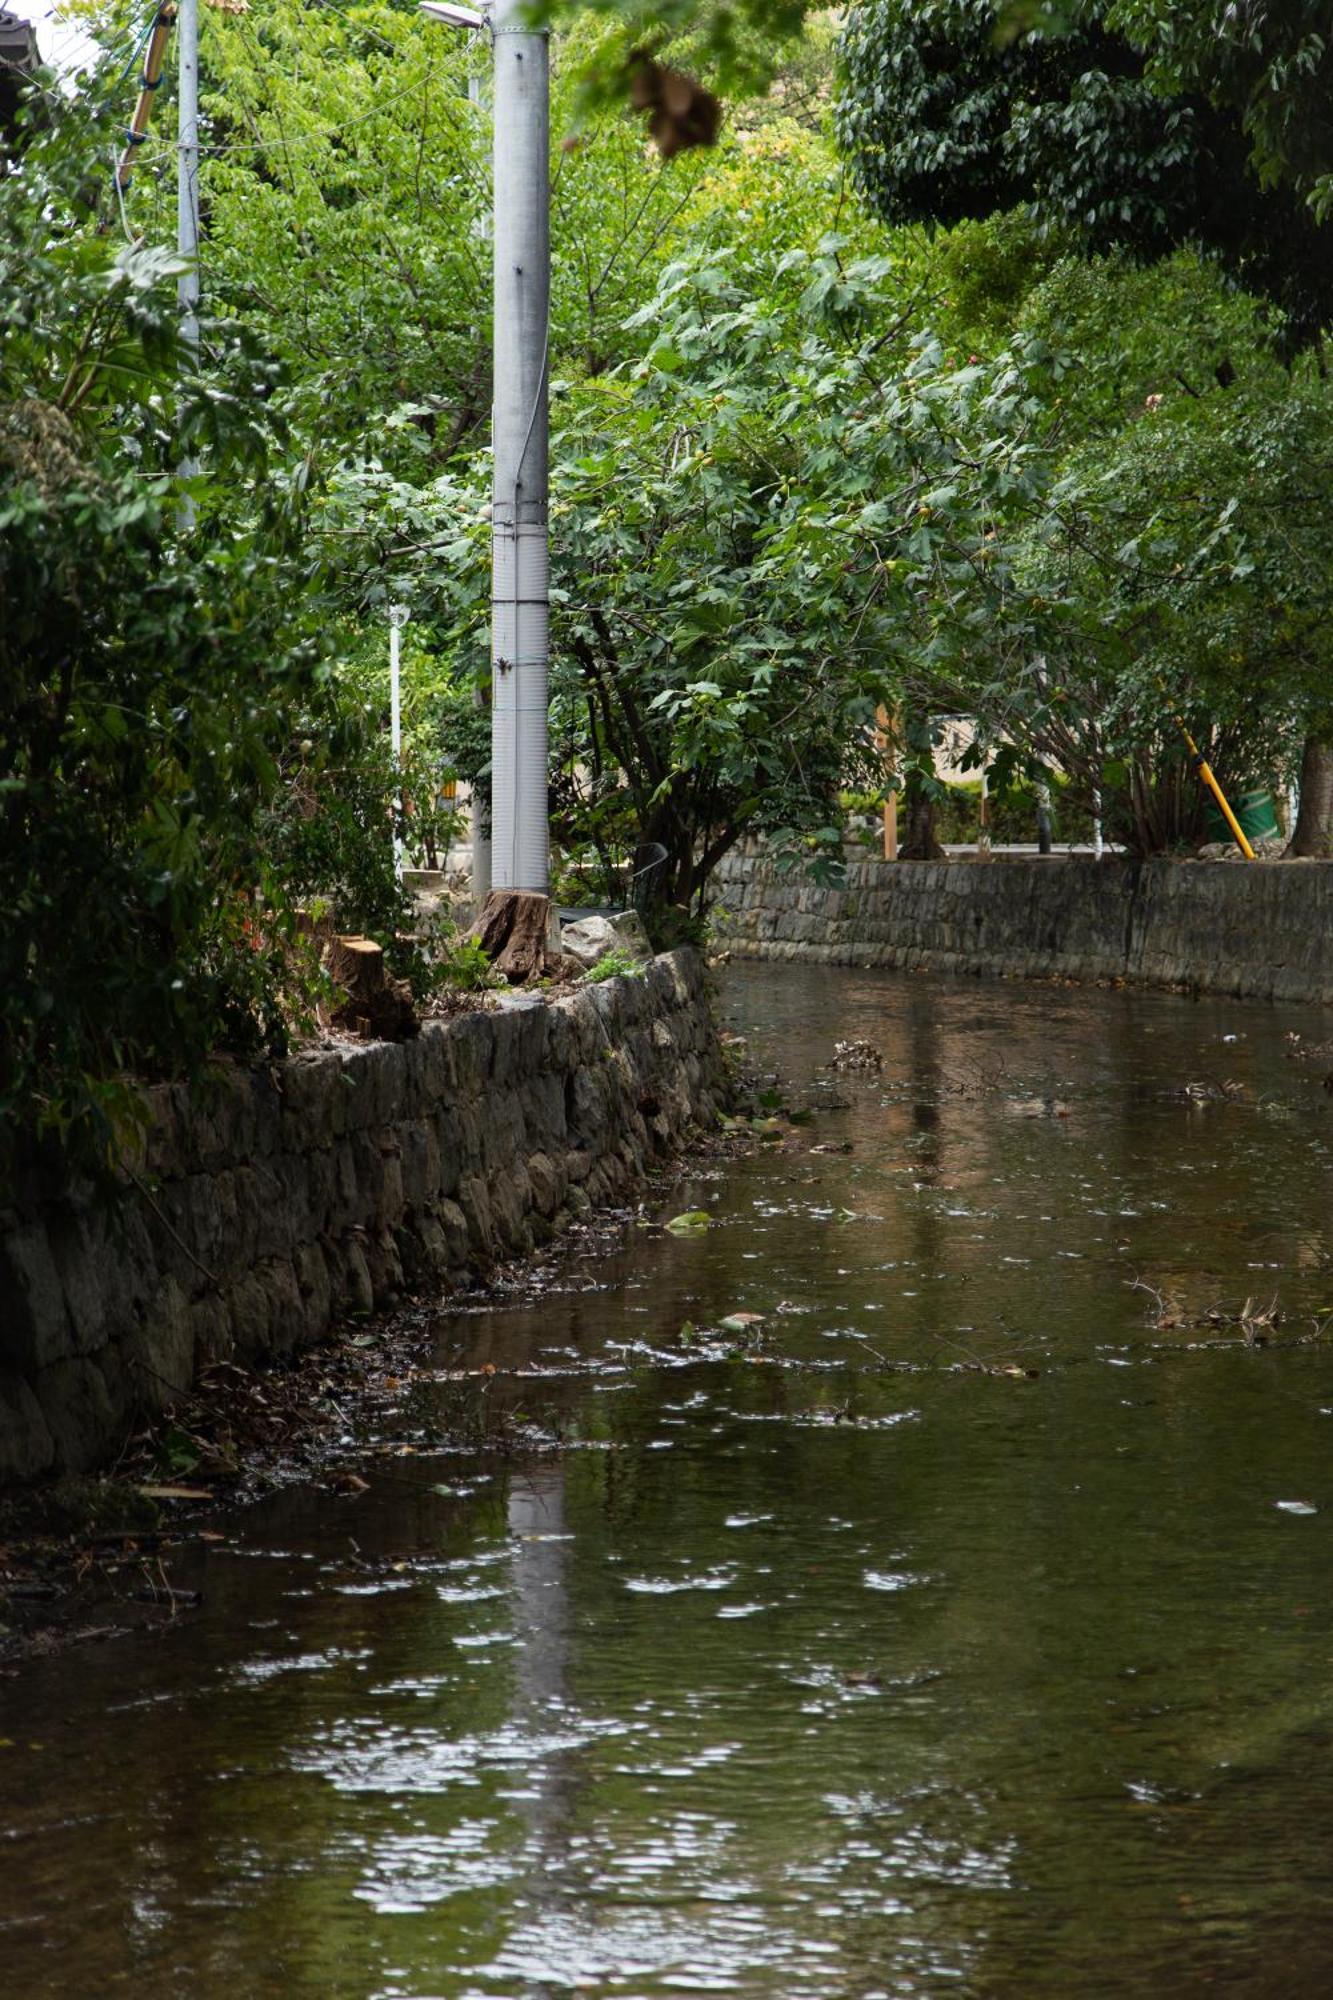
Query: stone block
point(510, 1195)
point(315, 1289)
point(240, 1201)
point(202, 1212)
point(79, 1414)
point(35, 1330)
point(432, 1258)
point(546, 1184)
point(96, 1272)
point(419, 1161)
point(321, 1176)
point(210, 1331)
point(158, 1354)
point(347, 1205)
point(544, 1110)
point(589, 939)
point(313, 1096)
point(454, 1224)
point(359, 1078)
point(435, 1063)
point(474, 1200)
point(166, 1147)
point(358, 1293)
point(27, 1448)
point(384, 1263)
point(273, 1216)
point(506, 1046)
point(502, 1130)
point(470, 1039)
point(368, 1167)
point(449, 1139)
point(470, 1125)
point(391, 1200)
point(586, 1106)
point(251, 1325)
point(287, 1317)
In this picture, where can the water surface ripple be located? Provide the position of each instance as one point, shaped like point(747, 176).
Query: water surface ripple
point(961, 1625)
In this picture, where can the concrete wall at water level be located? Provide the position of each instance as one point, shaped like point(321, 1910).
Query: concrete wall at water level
point(1261, 930)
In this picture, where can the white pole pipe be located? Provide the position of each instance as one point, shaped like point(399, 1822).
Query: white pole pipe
point(187, 195)
point(481, 795)
point(519, 572)
point(397, 619)
point(395, 697)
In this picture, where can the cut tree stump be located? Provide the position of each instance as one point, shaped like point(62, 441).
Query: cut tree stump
point(511, 930)
point(376, 1006)
point(357, 965)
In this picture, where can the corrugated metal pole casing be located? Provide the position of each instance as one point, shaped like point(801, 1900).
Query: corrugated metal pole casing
point(520, 568)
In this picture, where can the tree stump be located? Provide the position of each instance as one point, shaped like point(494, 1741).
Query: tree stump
point(376, 1006)
point(511, 930)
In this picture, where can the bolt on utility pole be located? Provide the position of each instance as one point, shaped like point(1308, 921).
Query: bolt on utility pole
point(520, 571)
point(187, 195)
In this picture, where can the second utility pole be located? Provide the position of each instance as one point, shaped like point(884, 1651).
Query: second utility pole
point(520, 563)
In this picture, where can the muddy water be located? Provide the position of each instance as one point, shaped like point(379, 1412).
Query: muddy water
point(963, 1629)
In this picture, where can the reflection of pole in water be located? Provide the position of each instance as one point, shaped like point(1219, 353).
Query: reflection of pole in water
point(924, 1069)
point(536, 1522)
point(536, 1514)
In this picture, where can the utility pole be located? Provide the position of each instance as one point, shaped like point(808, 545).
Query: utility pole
point(519, 847)
point(481, 794)
point(520, 570)
point(398, 617)
point(187, 196)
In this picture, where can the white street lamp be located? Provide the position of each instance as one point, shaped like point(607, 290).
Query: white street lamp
point(454, 17)
point(520, 576)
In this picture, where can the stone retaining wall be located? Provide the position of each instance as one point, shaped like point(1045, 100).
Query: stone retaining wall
point(275, 1201)
point(1261, 930)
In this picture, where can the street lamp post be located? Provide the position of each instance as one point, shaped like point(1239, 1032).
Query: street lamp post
point(520, 578)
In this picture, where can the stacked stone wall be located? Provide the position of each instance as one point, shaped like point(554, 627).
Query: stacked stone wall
point(269, 1203)
point(1260, 930)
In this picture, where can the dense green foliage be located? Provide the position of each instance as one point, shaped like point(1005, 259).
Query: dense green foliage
point(1044, 463)
point(942, 122)
point(1268, 61)
point(757, 515)
point(155, 688)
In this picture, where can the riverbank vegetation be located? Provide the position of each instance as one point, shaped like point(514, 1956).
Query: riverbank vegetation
point(957, 377)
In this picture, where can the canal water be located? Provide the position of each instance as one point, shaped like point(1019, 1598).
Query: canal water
point(960, 1625)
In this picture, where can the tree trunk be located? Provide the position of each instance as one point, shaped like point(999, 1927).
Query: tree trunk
point(374, 1005)
point(1313, 836)
point(511, 930)
point(919, 843)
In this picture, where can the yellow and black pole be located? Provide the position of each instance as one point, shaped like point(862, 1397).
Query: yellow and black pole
point(155, 56)
point(1205, 771)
